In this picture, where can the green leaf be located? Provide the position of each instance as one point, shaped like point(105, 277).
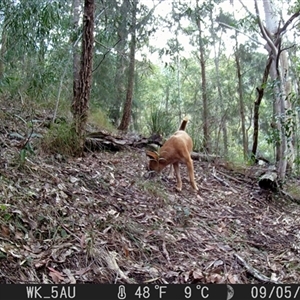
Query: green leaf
point(23, 156)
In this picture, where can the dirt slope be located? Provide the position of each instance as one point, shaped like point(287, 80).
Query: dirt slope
point(100, 219)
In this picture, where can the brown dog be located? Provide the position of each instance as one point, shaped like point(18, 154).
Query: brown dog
point(175, 150)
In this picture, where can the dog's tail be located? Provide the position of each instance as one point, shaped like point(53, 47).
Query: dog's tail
point(184, 123)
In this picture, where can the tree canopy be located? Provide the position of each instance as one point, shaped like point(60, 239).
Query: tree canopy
point(155, 62)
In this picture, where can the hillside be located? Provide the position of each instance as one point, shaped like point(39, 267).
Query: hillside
point(100, 219)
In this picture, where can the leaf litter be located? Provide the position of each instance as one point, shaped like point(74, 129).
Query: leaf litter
point(100, 219)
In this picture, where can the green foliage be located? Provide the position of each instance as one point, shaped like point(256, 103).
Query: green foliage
point(4, 213)
point(36, 55)
point(273, 137)
point(194, 132)
point(33, 33)
point(153, 188)
point(161, 122)
point(61, 138)
point(24, 153)
point(98, 118)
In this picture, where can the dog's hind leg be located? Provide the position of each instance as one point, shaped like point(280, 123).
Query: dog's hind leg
point(178, 177)
point(190, 168)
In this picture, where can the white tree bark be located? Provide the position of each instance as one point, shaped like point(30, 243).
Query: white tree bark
point(279, 75)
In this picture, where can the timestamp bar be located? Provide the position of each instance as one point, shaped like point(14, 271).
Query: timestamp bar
point(149, 292)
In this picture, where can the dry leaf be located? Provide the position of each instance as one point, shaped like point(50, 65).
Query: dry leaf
point(5, 232)
point(215, 278)
point(197, 274)
point(233, 279)
point(126, 251)
point(56, 276)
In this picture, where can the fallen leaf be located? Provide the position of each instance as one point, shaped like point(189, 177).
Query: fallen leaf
point(215, 278)
point(5, 232)
point(56, 276)
point(197, 275)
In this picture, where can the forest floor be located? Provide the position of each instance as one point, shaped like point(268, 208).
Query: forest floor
point(100, 219)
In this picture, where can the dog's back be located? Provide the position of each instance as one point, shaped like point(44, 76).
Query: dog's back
point(177, 146)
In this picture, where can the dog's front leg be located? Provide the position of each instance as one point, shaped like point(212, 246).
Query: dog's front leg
point(190, 168)
point(178, 177)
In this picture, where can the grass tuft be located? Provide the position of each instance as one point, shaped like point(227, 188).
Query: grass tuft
point(99, 119)
point(61, 139)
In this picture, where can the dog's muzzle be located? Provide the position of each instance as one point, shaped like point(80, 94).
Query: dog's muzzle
point(149, 174)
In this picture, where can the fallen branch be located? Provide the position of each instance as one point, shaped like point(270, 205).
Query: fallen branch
point(290, 197)
point(255, 273)
point(223, 182)
point(239, 181)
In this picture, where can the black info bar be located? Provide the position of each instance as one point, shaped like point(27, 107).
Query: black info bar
point(149, 292)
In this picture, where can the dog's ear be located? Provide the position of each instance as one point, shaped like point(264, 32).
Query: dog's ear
point(152, 154)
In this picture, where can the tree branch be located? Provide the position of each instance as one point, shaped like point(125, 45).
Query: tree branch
point(109, 49)
point(264, 33)
point(288, 22)
point(237, 30)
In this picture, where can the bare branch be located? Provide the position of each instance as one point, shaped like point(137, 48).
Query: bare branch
point(104, 55)
point(288, 22)
point(287, 48)
point(237, 30)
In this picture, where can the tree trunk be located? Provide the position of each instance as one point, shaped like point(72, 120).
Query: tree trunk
point(260, 94)
point(279, 90)
point(205, 117)
point(223, 126)
point(241, 100)
point(273, 35)
point(178, 69)
point(3, 51)
point(128, 102)
point(289, 122)
point(81, 98)
point(75, 48)
point(115, 111)
point(221, 101)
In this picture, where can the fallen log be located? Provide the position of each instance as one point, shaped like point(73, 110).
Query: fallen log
point(268, 181)
point(104, 140)
point(204, 157)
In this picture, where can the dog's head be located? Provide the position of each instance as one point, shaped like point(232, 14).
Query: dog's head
point(154, 161)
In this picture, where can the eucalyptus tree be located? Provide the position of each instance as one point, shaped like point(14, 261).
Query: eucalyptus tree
point(109, 58)
point(4, 9)
point(241, 96)
point(140, 17)
point(294, 57)
point(29, 36)
point(217, 41)
point(273, 33)
point(80, 104)
point(125, 121)
point(191, 18)
point(75, 37)
point(201, 17)
point(199, 10)
point(122, 20)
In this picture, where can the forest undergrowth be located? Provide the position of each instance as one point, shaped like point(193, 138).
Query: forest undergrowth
point(101, 219)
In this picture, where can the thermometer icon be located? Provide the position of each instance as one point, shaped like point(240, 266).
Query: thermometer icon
point(121, 293)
